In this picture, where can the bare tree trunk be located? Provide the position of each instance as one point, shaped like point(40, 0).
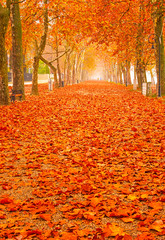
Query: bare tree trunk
point(114, 72)
point(152, 78)
point(120, 74)
point(81, 66)
point(110, 73)
point(4, 19)
point(138, 74)
point(74, 70)
point(160, 56)
point(81, 69)
point(124, 73)
point(65, 64)
point(128, 66)
point(58, 64)
point(17, 52)
point(35, 75)
point(68, 69)
point(78, 66)
point(141, 77)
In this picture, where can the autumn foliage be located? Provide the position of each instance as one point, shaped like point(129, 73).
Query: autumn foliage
point(83, 162)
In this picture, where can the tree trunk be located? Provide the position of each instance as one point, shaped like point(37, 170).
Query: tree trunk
point(74, 70)
point(78, 66)
point(138, 74)
point(58, 64)
point(4, 95)
point(140, 70)
point(53, 69)
point(84, 74)
point(114, 72)
point(135, 79)
point(152, 78)
point(144, 76)
point(81, 66)
point(81, 70)
point(141, 74)
point(110, 73)
point(160, 57)
point(34, 90)
point(38, 51)
point(124, 74)
point(128, 67)
point(17, 52)
point(68, 69)
point(65, 64)
point(120, 74)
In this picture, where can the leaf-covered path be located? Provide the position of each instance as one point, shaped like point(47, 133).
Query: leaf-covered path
point(83, 162)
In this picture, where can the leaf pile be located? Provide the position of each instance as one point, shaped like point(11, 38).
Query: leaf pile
point(83, 162)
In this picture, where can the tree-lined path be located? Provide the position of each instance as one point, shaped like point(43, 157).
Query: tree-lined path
point(83, 162)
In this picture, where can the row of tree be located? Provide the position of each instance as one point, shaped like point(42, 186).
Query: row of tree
point(121, 33)
point(132, 34)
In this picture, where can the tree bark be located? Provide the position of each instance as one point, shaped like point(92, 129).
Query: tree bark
point(78, 66)
point(17, 52)
point(113, 72)
point(34, 90)
point(58, 64)
point(120, 74)
point(128, 68)
point(81, 68)
point(152, 78)
point(160, 56)
point(65, 72)
point(140, 69)
point(110, 73)
point(38, 52)
point(4, 19)
point(135, 79)
point(68, 69)
point(74, 70)
point(124, 74)
point(141, 74)
point(138, 74)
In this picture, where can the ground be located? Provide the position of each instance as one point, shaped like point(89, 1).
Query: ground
point(83, 162)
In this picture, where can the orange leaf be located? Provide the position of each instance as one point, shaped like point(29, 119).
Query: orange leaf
point(95, 201)
point(46, 217)
point(112, 230)
point(82, 233)
point(158, 226)
point(127, 220)
point(68, 236)
point(89, 215)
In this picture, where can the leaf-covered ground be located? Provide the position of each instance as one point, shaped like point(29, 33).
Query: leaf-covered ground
point(83, 162)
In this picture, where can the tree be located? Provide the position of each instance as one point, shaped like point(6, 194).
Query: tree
point(53, 69)
point(17, 51)
point(4, 19)
point(39, 48)
point(160, 56)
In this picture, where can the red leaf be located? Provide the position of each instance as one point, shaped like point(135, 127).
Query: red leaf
point(6, 201)
point(33, 232)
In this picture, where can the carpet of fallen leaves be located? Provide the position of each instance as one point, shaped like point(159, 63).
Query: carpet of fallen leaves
point(83, 162)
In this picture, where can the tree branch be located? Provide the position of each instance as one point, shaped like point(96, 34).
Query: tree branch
point(48, 63)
